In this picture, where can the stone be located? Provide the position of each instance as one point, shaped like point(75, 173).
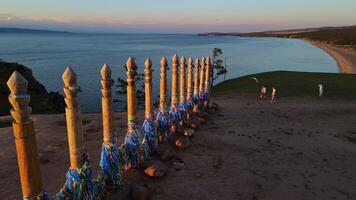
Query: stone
point(182, 142)
point(193, 125)
point(156, 169)
point(188, 132)
point(173, 129)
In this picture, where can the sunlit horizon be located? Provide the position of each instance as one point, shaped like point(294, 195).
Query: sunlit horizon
point(185, 16)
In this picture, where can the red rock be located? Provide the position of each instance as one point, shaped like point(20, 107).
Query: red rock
point(156, 169)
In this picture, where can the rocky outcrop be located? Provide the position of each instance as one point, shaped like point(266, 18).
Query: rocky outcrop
point(42, 101)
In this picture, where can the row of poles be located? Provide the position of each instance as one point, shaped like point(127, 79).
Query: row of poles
point(140, 141)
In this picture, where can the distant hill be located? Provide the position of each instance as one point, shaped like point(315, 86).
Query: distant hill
point(25, 30)
point(345, 35)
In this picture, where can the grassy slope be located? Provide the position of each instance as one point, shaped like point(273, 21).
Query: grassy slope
point(337, 35)
point(292, 84)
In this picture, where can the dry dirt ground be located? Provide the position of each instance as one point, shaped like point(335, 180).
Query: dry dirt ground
point(296, 148)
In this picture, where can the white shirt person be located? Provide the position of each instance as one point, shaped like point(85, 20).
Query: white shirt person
point(263, 92)
point(273, 95)
point(321, 90)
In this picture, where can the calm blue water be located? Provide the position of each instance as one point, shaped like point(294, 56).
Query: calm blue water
point(48, 55)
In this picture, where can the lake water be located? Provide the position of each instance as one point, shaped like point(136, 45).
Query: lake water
point(48, 55)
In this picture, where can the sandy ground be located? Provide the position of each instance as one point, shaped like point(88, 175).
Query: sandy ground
point(249, 149)
point(345, 58)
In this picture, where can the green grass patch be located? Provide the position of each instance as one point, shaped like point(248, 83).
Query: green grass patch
point(292, 84)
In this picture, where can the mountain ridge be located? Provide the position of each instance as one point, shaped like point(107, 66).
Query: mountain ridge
point(27, 30)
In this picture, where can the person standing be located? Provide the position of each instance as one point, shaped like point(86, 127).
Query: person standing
point(273, 95)
point(263, 92)
point(321, 90)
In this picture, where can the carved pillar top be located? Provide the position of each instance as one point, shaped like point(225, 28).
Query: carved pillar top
point(207, 73)
point(182, 80)
point(196, 77)
point(70, 88)
point(106, 81)
point(148, 88)
point(175, 63)
point(190, 79)
point(202, 75)
point(163, 84)
point(131, 89)
point(19, 98)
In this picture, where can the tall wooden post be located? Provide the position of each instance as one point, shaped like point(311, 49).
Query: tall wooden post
point(148, 126)
point(25, 138)
point(196, 85)
point(162, 115)
point(174, 113)
point(107, 104)
point(74, 122)
point(207, 73)
point(202, 77)
point(174, 81)
point(133, 137)
point(163, 85)
point(148, 89)
point(131, 90)
point(190, 81)
point(182, 81)
point(110, 166)
point(207, 81)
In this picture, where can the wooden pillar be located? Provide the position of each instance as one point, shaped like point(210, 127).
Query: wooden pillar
point(196, 84)
point(202, 76)
point(174, 80)
point(131, 90)
point(182, 80)
point(25, 138)
point(196, 77)
point(190, 81)
point(207, 74)
point(74, 122)
point(107, 103)
point(148, 89)
point(163, 85)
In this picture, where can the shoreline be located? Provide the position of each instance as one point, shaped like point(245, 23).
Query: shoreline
point(345, 58)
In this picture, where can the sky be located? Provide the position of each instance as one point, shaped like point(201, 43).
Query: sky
point(179, 16)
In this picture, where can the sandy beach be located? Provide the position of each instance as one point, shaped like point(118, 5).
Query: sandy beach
point(249, 149)
point(345, 58)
